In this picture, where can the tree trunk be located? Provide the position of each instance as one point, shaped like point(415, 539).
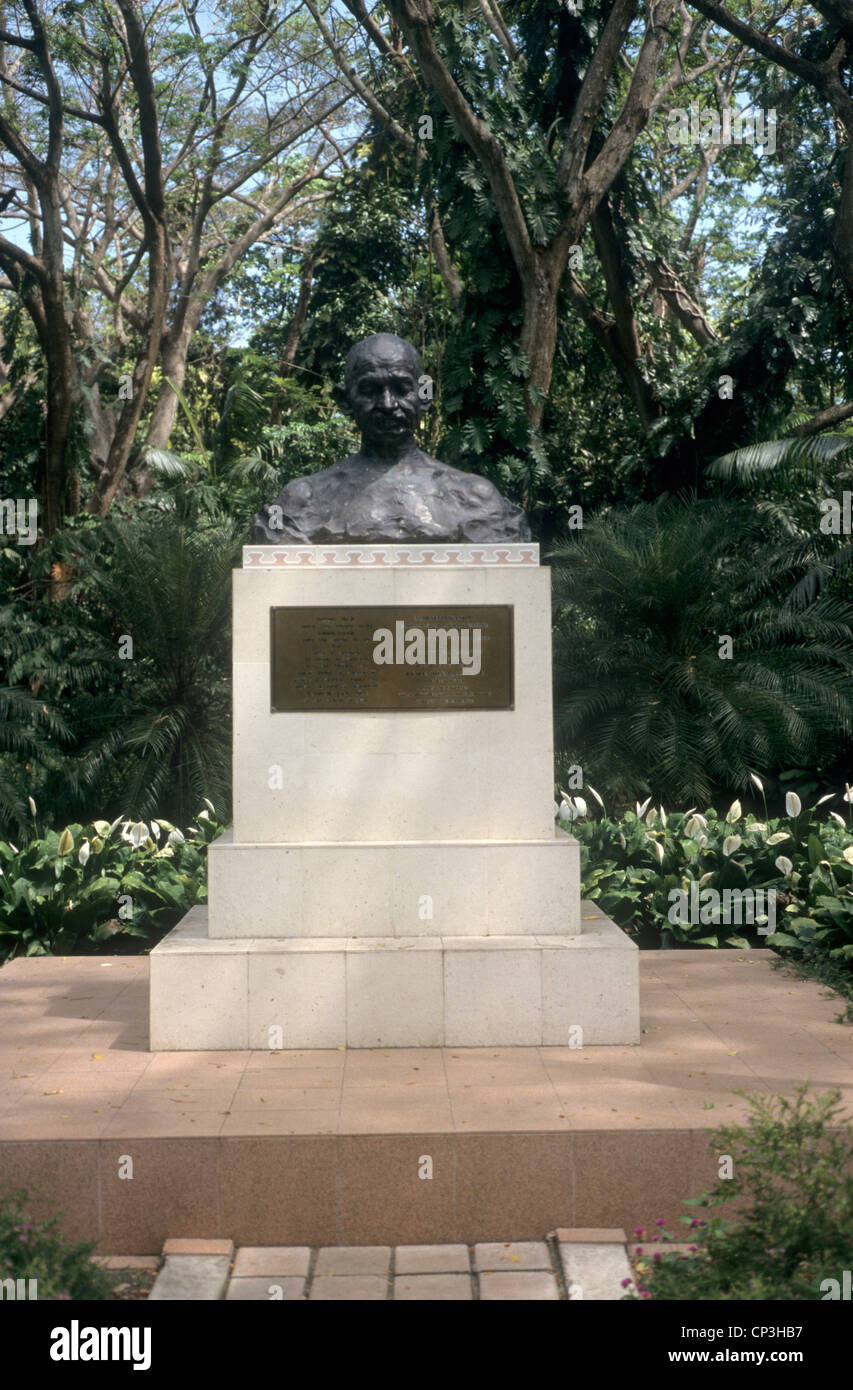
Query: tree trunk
point(56, 343)
point(173, 360)
point(116, 465)
point(842, 229)
point(538, 338)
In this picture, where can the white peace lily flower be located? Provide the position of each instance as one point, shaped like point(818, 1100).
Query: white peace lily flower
point(175, 838)
point(847, 854)
point(155, 830)
point(702, 841)
point(784, 865)
point(696, 822)
point(209, 806)
point(32, 804)
point(848, 794)
point(203, 815)
point(101, 827)
point(138, 834)
point(731, 843)
point(117, 821)
point(659, 847)
point(623, 842)
point(829, 796)
point(779, 836)
point(757, 825)
point(793, 804)
point(66, 842)
point(757, 780)
point(595, 794)
point(734, 813)
point(641, 810)
point(651, 817)
point(84, 852)
point(840, 819)
point(705, 877)
point(565, 811)
point(663, 817)
point(580, 805)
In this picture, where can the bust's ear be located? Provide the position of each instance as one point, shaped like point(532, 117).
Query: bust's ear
point(341, 399)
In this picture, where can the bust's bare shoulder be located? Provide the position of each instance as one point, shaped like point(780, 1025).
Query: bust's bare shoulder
point(474, 483)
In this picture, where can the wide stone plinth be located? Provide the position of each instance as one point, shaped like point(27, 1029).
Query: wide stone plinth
point(455, 991)
point(512, 888)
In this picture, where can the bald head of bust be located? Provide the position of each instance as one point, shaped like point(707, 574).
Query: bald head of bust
point(381, 347)
point(381, 393)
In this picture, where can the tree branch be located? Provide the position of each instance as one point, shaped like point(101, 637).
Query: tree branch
point(414, 18)
point(368, 97)
point(833, 415)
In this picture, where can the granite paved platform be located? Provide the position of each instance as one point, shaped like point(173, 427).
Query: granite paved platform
point(407, 1146)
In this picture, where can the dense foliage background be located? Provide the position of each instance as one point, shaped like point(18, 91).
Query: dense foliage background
point(636, 326)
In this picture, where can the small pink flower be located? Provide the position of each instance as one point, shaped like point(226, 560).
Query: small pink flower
point(657, 1255)
point(626, 1282)
point(691, 1248)
point(645, 1294)
point(638, 1230)
point(660, 1221)
point(638, 1251)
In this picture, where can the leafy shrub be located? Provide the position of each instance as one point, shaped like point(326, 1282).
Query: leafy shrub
point(61, 889)
point(32, 1249)
point(792, 1168)
point(630, 865)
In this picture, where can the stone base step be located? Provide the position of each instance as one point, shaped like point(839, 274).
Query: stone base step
point(372, 992)
point(436, 888)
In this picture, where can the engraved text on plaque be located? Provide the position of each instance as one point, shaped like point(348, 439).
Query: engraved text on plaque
point(456, 656)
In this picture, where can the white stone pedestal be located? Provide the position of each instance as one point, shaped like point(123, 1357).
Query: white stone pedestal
point(393, 877)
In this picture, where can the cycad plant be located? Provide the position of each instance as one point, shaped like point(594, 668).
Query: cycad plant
point(27, 728)
point(689, 653)
point(165, 596)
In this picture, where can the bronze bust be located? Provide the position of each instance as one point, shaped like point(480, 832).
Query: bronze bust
point(390, 490)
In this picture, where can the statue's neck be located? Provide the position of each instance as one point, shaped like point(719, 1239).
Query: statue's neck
point(386, 455)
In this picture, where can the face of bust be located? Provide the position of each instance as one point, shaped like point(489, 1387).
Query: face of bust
point(383, 396)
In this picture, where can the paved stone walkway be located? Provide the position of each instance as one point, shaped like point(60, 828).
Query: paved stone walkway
point(569, 1265)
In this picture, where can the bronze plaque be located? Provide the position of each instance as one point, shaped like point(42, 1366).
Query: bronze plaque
point(456, 656)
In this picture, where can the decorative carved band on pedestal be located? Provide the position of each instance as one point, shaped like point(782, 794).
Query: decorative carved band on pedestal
point(266, 557)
